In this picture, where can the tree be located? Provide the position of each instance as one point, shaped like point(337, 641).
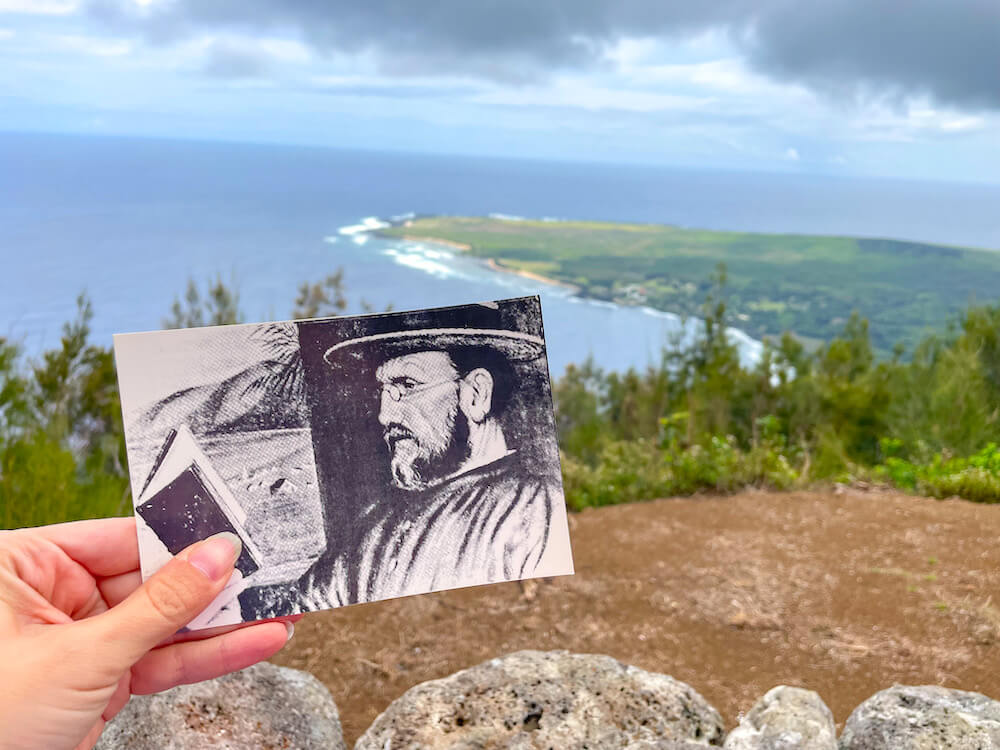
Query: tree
point(219, 306)
point(580, 425)
point(322, 299)
point(13, 392)
point(325, 299)
point(62, 446)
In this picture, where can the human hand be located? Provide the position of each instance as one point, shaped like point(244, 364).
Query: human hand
point(80, 633)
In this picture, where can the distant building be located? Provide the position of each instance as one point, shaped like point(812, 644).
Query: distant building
point(634, 294)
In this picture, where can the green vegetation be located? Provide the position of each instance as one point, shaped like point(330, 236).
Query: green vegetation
point(62, 450)
point(808, 285)
point(698, 421)
point(976, 477)
point(702, 421)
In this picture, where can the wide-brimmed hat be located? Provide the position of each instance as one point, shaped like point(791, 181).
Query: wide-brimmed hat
point(516, 346)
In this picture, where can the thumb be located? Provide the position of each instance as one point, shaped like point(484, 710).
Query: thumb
point(169, 600)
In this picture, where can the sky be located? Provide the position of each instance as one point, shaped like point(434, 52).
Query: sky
point(887, 88)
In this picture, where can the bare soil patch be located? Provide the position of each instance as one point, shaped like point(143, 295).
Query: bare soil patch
point(843, 593)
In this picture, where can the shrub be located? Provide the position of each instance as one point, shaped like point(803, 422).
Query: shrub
point(628, 471)
point(975, 477)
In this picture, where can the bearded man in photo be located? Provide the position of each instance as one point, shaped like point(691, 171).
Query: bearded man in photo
point(464, 507)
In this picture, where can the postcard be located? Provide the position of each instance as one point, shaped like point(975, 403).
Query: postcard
point(357, 458)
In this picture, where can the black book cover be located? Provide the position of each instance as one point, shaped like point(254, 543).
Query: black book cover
point(186, 511)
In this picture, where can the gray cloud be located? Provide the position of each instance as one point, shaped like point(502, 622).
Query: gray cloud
point(227, 60)
point(947, 49)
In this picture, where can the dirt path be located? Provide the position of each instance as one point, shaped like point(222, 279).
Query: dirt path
point(842, 593)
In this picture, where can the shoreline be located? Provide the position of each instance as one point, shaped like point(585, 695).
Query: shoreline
point(492, 263)
point(746, 340)
point(434, 240)
point(495, 265)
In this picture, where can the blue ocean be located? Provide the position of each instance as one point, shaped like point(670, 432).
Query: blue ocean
point(129, 221)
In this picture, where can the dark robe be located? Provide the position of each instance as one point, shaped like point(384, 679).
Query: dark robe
point(489, 524)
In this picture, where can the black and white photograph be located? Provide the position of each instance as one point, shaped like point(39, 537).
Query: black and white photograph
point(357, 458)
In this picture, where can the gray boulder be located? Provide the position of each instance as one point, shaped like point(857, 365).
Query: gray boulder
point(665, 745)
point(923, 718)
point(264, 706)
point(535, 699)
point(786, 718)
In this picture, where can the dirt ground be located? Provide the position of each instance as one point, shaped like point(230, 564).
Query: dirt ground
point(844, 593)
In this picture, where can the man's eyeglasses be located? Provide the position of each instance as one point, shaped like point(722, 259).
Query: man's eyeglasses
point(397, 391)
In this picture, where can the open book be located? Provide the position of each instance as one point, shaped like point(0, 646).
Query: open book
point(184, 500)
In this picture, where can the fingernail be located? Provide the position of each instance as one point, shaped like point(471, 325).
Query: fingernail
point(291, 631)
point(216, 555)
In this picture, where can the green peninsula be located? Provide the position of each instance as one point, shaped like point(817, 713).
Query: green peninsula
point(805, 284)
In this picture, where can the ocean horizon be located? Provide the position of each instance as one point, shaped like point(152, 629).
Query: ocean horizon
point(130, 220)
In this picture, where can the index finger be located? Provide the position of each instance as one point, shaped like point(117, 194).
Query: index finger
point(104, 546)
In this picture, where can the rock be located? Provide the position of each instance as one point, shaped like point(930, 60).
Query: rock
point(923, 718)
point(535, 699)
point(786, 718)
point(264, 706)
point(665, 745)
